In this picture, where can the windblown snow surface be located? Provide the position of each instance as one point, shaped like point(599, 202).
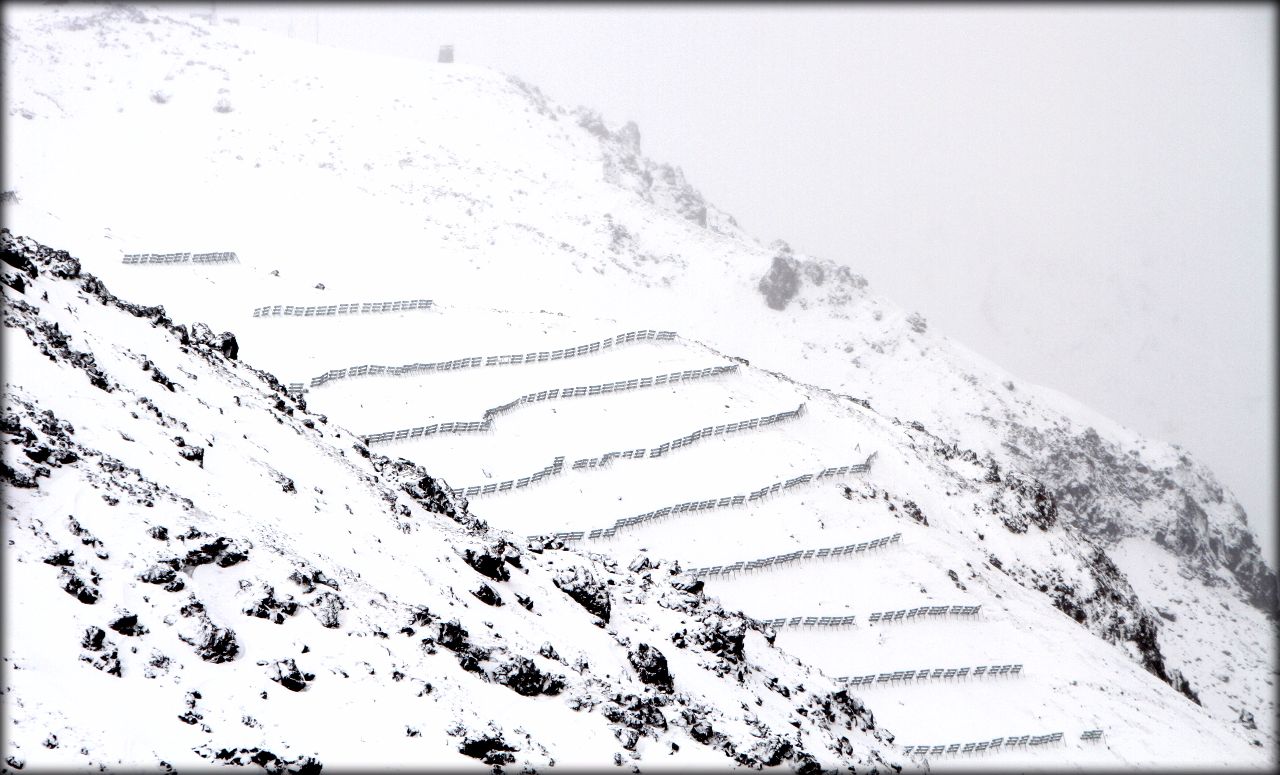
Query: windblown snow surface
point(699, 409)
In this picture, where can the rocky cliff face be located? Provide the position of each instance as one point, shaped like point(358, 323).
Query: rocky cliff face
point(1100, 488)
point(660, 184)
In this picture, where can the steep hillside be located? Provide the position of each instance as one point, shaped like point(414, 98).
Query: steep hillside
point(344, 182)
point(200, 570)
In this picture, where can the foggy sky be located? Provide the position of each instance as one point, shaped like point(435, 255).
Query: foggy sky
point(1084, 194)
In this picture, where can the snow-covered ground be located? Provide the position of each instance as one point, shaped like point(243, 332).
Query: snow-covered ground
point(153, 600)
point(343, 178)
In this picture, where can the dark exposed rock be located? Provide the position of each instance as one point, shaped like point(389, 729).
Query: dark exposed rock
point(127, 624)
point(699, 729)
point(14, 281)
point(73, 585)
point(222, 551)
point(60, 559)
point(486, 595)
point(487, 563)
point(522, 676)
point(651, 666)
point(159, 377)
point(582, 586)
point(452, 635)
point(724, 636)
point(769, 752)
point(688, 584)
point(102, 653)
point(211, 642)
point(93, 638)
point(272, 609)
point(308, 578)
point(912, 510)
point(158, 574)
point(326, 607)
point(491, 749)
point(268, 761)
point(229, 346)
point(781, 283)
point(16, 259)
point(286, 673)
point(636, 715)
point(433, 495)
point(421, 616)
point(190, 451)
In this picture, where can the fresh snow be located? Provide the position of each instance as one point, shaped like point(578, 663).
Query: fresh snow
point(383, 179)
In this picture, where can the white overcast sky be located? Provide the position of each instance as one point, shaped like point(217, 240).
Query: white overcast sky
point(1083, 193)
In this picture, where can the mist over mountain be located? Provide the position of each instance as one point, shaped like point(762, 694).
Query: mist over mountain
point(560, 462)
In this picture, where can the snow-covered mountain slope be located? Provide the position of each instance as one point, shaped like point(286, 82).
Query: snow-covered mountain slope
point(200, 570)
point(343, 178)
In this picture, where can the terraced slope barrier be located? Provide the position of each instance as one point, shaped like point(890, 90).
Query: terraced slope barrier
point(552, 394)
point(878, 616)
point(995, 744)
point(796, 556)
point(353, 308)
point(712, 503)
point(225, 257)
point(583, 463)
point(931, 674)
point(690, 438)
point(478, 361)
point(556, 467)
point(908, 614)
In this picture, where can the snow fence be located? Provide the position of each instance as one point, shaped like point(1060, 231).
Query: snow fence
point(799, 554)
point(477, 361)
point(225, 257)
point(353, 308)
point(551, 394)
point(931, 674)
point(984, 746)
point(712, 503)
point(557, 466)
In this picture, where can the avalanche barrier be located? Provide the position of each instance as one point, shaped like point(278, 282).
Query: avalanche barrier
point(994, 744)
point(687, 375)
point(225, 257)
point(478, 361)
point(799, 554)
point(907, 614)
point(930, 674)
point(712, 503)
point(632, 454)
point(556, 467)
point(353, 308)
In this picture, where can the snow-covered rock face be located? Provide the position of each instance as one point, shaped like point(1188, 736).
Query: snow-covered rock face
point(1115, 569)
point(292, 600)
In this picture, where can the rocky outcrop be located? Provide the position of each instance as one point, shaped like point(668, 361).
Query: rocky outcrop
point(651, 666)
point(663, 185)
point(1094, 480)
point(583, 587)
point(100, 652)
point(781, 283)
point(788, 274)
point(286, 673)
point(211, 642)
